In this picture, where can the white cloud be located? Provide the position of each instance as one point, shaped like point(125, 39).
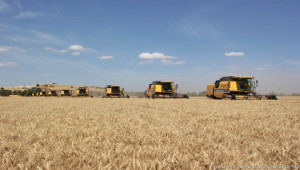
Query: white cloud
point(153, 56)
point(106, 57)
point(76, 53)
point(8, 64)
point(28, 14)
point(55, 50)
point(169, 62)
point(293, 62)
point(9, 48)
point(4, 6)
point(76, 47)
point(234, 54)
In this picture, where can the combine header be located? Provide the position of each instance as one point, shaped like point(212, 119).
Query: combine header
point(163, 89)
point(236, 88)
point(114, 91)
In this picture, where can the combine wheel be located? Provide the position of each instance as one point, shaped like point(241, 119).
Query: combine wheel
point(233, 97)
point(154, 96)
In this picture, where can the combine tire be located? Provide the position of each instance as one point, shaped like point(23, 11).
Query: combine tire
point(233, 97)
point(154, 96)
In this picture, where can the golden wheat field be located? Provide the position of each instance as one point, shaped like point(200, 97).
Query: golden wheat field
point(96, 133)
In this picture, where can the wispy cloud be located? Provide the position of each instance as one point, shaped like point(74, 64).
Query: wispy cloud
point(8, 64)
point(234, 54)
point(145, 62)
point(106, 57)
point(76, 47)
point(293, 62)
point(28, 14)
point(24, 35)
point(47, 75)
point(260, 69)
point(76, 53)
point(155, 55)
point(4, 6)
point(10, 48)
point(55, 50)
point(170, 62)
point(45, 36)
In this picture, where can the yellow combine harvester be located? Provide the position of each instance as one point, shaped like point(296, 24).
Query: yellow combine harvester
point(82, 92)
point(52, 93)
point(43, 93)
point(163, 89)
point(235, 87)
point(65, 93)
point(114, 91)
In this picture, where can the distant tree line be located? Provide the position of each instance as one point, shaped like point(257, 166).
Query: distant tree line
point(27, 92)
point(4, 92)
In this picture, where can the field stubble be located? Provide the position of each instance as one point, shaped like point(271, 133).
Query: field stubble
point(199, 133)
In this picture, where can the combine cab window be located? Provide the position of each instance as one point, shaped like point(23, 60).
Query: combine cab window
point(115, 90)
point(217, 83)
point(82, 91)
point(244, 84)
point(167, 87)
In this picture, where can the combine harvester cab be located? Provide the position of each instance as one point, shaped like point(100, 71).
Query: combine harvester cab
point(114, 91)
point(236, 88)
point(82, 92)
point(43, 93)
point(65, 93)
point(52, 93)
point(163, 89)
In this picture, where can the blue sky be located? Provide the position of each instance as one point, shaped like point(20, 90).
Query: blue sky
point(134, 42)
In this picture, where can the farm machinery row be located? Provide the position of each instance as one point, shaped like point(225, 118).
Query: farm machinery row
point(227, 88)
point(80, 92)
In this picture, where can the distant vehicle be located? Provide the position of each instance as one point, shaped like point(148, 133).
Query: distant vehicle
point(163, 89)
point(66, 93)
point(114, 91)
point(43, 93)
point(82, 92)
point(52, 93)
